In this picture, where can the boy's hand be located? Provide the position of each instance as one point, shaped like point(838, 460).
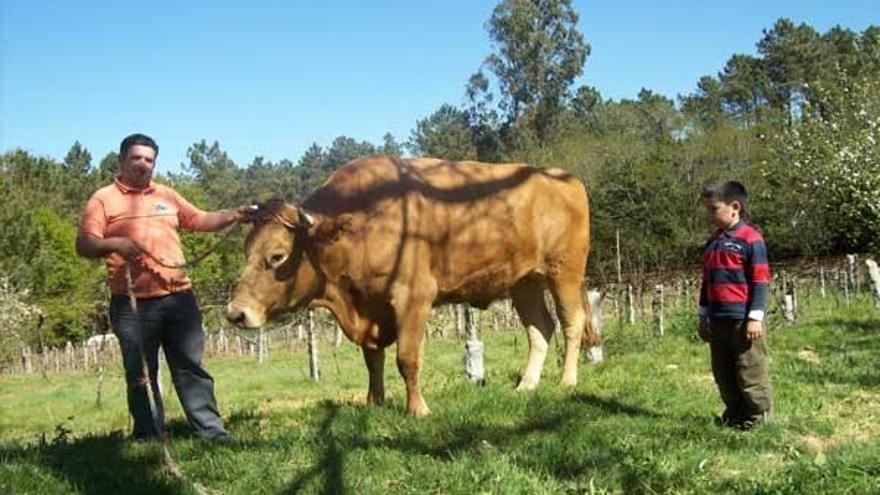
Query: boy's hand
point(703, 329)
point(754, 330)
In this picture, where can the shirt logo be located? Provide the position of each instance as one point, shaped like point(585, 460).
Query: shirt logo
point(732, 246)
point(162, 208)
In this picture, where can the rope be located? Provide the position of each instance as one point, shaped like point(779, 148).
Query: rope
point(195, 262)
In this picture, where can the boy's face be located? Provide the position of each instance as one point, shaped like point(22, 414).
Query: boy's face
point(723, 215)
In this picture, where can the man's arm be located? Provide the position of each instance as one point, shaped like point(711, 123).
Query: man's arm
point(218, 220)
point(92, 247)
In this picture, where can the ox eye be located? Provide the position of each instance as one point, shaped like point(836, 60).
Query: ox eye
point(276, 259)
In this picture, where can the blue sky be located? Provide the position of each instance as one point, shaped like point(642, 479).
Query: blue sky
point(268, 78)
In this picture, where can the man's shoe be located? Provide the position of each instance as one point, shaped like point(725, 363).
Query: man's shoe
point(222, 438)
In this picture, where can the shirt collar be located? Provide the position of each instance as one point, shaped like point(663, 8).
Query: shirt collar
point(129, 190)
point(733, 228)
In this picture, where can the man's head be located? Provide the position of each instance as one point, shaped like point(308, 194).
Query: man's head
point(726, 203)
point(137, 158)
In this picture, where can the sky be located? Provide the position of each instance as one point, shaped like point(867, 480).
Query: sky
point(269, 78)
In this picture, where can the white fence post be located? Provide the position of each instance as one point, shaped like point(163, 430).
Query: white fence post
point(473, 355)
point(874, 275)
point(314, 369)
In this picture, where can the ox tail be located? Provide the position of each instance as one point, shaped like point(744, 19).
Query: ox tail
point(592, 335)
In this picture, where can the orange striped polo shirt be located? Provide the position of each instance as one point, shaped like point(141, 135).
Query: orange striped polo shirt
point(150, 217)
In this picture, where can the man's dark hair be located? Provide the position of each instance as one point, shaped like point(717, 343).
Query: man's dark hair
point(141, 139)
point(728, 192)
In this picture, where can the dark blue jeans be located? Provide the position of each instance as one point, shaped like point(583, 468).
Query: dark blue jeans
point(174, 322)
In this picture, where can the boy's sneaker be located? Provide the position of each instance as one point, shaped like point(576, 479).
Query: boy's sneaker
point(753, 421)
point(724, 419)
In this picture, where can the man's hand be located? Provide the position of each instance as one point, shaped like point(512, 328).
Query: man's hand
point(703, 329)
point(127, 248)
point(247, 213)
point(754, 330)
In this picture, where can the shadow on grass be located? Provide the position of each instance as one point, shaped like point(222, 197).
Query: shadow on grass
point(330, 466)
point(863, 325)
point(100, 464)
point(849, 358)
point(448, 442)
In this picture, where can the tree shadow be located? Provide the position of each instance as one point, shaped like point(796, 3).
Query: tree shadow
point(612, 406)
point(100, 464)
point(332, 457)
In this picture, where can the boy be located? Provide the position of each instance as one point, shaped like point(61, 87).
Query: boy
point(733, 301)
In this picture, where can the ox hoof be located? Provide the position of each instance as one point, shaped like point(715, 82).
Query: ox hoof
point(527, 385)
point(568, 382)
point(418, 412)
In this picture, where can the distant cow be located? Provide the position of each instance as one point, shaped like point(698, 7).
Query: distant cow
point(385, 239)
point(102, 341)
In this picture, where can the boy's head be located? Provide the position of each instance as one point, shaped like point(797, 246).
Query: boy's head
point(726, 203)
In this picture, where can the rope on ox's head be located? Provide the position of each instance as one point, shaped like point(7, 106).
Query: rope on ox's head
point(289, 215)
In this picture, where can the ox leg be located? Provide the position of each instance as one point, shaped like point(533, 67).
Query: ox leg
point(375, 359)
point(528, 299)
point(411, 311)
point(573, 315)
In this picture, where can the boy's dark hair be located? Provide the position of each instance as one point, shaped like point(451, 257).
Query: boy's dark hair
point(141, 139)
point(728, 192)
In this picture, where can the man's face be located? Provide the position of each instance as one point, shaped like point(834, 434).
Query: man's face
point(723, 215)
point(136, 167)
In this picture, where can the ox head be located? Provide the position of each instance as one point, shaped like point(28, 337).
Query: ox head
point(279, 274)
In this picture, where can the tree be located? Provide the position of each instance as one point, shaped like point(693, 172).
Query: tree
point(793, 60)
point(706, 105)
point(216, 173)
point(78, 160)
point(444, 134)
point(390, 146)
point(18, 319)
point(539, 52)
point(108, 168)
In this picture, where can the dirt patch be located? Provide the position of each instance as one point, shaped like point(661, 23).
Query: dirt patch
point(819, 444)
point(809, 356)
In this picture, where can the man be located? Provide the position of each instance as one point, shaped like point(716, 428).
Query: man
point(132, 224)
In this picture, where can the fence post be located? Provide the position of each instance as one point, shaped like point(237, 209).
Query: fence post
point(261, 344)
point(851, 271)
point(314, 369)
point(788, 302)
point(844, 280)
point(473, 354)
point(874, 276)
point(630, 310)
point(822, 281)
point(68, 349)
point(657, 309)
point(337, 336)
point(26, 362)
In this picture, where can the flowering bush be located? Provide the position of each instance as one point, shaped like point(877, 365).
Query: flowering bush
point(834, 163)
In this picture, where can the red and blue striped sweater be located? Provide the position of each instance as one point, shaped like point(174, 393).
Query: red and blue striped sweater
point(736, 274)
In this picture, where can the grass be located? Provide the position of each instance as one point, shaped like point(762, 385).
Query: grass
point(639, 423)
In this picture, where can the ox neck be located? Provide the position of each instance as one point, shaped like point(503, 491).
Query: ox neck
point(341, 305)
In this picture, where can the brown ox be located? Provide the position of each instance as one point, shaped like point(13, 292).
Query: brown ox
point(385, 239)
